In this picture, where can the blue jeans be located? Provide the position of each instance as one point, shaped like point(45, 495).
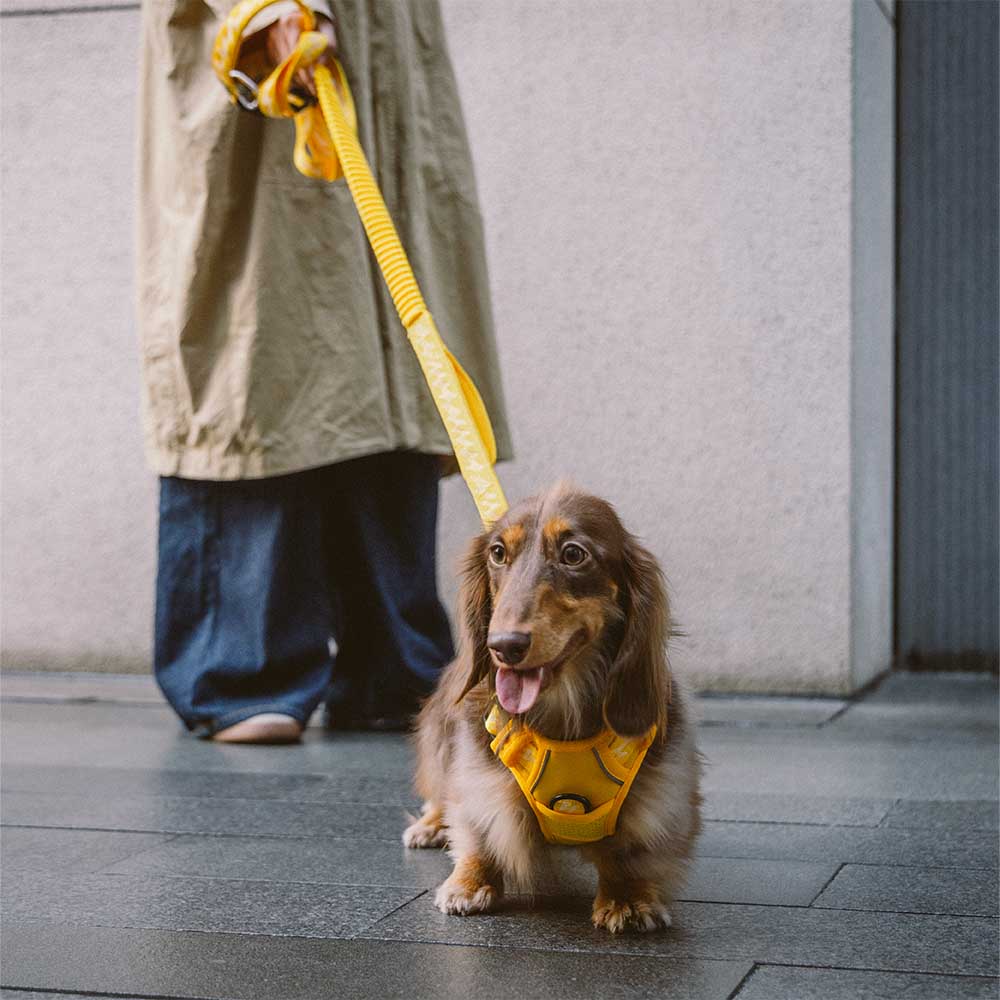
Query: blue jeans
point(256, 577)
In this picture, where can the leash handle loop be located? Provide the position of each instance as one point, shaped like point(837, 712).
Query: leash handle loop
point(226, 50)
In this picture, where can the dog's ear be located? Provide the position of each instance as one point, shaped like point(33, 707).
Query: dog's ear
point(638, 683)
point(476, 608)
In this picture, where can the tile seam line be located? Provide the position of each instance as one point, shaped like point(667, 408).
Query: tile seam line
point(91, 993)
point(52, 12)
point(799, 824)
point(296, 802)
point(687, 957)
point(26, 699)
point(383, 940)
point(826, 884)
point(678, 957)
point(853, 968)
point(170, 838)
point(943, 868)
point(991, 917)
point(798, 907)
point(403, 805)
point(28, 923)
point(420, 890)
point(829, 826)
point(192, 833)
point(385, 916)
point(423, 891)
point(324, 837)
point(868, 864)
point(738, 988)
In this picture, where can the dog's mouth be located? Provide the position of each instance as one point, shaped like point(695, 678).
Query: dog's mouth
point(518, 688)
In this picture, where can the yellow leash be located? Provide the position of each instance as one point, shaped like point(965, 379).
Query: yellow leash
point(327, 146)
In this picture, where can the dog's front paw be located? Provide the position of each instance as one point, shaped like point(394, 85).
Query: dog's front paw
point(457, 897)
point(641, 916)
point(422, 834)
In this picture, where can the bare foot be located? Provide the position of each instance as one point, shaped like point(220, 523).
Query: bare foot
point(268, 727)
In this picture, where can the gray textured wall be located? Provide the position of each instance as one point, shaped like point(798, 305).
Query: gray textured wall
point(669, 191)
point(949, 599)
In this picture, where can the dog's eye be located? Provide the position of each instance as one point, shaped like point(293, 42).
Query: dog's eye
point(498, 554)
point(573, 554)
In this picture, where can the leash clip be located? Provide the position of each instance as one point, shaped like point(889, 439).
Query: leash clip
point(246, 90)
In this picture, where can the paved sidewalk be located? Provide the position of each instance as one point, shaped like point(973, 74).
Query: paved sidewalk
point(850, 853)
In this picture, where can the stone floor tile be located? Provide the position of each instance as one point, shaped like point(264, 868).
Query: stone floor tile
point(36, 995)
point(771, 982)
point(21, 685)
point(938, 690)
point(364, 862)
point(317, 860)
point(774, 883)
point(240, 967)
point(249, 817)
point(959, 816)
point(863, 766)
point(861, 845)
point(769, 934)
point(70, 850)
point(916, 725)
point(63, 735)
point(317, 877)
point(912, 890)
point(817, 809)
point(346, 785)
point(241, 906)
point(754, 711)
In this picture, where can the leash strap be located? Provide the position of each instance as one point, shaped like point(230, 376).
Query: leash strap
point(327, 146)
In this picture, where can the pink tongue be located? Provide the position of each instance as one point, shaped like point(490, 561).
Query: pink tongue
point(518, 689)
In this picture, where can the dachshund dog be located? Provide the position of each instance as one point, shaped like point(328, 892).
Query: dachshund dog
point(565, 622)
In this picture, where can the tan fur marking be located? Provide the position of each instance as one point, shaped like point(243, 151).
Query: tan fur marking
point(554, 528)
point(513, 538)
point(569, 614)
point(472, 873)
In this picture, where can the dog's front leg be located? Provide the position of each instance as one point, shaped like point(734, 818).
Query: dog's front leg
point(630, 893)
point(427, 830)
point(476, 883)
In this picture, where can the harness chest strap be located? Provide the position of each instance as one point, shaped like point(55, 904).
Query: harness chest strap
point(575, 788)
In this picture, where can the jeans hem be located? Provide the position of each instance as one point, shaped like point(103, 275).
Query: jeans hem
point(248, 711)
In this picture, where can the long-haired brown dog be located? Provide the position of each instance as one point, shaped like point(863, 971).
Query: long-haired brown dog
point(565, 622)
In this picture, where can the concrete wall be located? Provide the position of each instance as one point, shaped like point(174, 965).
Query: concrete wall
point(671, 193)
point(873, 251)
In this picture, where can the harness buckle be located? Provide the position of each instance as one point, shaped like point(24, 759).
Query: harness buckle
point(246, 90)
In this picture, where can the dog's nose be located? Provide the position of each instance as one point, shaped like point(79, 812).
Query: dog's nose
point(510, 647)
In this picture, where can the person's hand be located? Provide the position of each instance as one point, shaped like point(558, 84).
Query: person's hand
point(282, 37)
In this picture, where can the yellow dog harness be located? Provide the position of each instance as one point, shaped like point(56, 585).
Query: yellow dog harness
point(576, 788)
point(326, 145)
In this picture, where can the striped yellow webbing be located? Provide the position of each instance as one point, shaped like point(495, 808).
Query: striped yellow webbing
point(327, 146)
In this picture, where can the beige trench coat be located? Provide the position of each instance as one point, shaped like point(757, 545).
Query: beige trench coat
point(269, 342)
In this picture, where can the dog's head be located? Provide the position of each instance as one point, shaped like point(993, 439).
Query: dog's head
point(566, 615)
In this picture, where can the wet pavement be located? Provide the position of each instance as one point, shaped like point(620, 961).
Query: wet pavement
point(850, 852)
